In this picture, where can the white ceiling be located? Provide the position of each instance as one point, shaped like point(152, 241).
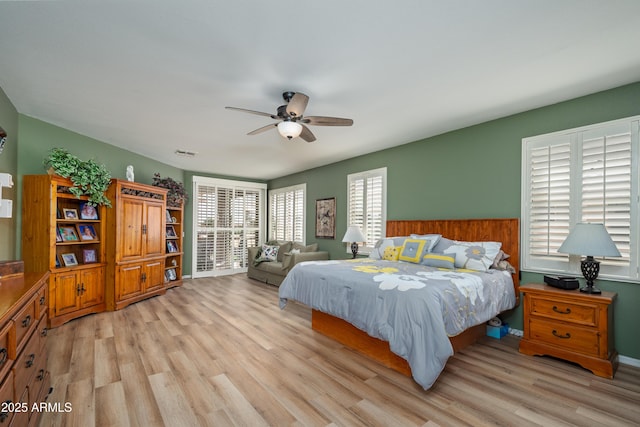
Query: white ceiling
point(154, 76)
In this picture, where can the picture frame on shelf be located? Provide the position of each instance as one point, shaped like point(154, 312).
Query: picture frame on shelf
point(69, 259)
point(168, 217)
point(170, 274)
point(172, 247)
point(70, 213)
point(58, 265)
point(89, 256)
point(68, 233)
point(87, 232)
point(88, 211)
point(171, 232)
point(58, 236)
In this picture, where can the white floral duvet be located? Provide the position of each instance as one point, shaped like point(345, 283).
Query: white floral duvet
point(413, 307)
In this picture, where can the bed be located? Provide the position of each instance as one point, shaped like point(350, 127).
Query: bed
point(409, 338)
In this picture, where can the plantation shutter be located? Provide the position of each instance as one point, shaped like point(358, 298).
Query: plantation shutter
point(287, 215)
point(606, 186)
point(549, 206)
point(227, 222)
point(367, 199)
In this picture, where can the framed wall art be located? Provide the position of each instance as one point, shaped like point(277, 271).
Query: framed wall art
point(326, 218)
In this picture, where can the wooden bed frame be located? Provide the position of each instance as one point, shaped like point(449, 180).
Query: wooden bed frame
point(505, 230)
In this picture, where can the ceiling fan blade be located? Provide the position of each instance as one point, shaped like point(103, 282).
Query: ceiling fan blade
point(263, 129)
point(307, 135)
point(326, 121)
point(297, 104)
point(259, 113)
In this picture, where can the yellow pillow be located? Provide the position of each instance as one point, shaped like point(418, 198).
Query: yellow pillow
point(391, 253)
point(412, 250)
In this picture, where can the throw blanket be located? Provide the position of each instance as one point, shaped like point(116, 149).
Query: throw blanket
point(413, 307)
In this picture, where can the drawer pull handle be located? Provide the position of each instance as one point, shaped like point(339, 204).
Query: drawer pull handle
point(40, 376)
point(27, 321)
point(44, 332)
point(564, 337)
point(557, 310)
point(32, 358)
point(42, 300)
point(4, 415)
point(3, 356)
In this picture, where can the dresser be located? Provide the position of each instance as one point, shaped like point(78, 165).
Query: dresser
point(24, 379)
point(570, 325)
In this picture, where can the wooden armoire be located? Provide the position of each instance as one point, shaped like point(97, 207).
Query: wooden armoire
point(135, 244)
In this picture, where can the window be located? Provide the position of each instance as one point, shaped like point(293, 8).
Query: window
point(286, 213)
point(368, 204)
point(588, 174)
point(228, 218)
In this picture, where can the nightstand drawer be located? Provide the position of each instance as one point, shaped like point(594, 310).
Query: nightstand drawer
point(583, 314)
point(570, 337)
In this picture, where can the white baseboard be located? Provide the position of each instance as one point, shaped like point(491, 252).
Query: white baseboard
point(629, 361)
point(625, 360)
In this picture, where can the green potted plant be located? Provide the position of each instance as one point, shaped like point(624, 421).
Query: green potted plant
point(177, 194)
point(89, 178)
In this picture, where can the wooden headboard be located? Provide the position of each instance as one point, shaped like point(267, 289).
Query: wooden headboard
point(505, 230)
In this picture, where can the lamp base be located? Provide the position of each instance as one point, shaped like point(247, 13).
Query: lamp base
point(590, 269)
point(590, 290)
point(354, 249)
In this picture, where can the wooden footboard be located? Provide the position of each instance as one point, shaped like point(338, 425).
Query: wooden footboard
point(376, 349)
point(502, 230)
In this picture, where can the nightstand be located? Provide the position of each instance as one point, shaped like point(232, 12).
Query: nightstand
point(570, 325)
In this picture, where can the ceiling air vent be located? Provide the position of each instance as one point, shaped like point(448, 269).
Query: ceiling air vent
point(186, 153)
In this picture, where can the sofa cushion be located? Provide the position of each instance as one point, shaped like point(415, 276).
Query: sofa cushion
point(268, 253)
point(271, 267)
point(303, 248)
point(284, 247)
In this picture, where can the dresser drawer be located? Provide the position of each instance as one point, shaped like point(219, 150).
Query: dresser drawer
point(43, 300)
point(26, 364)
point(7, 352)
point(6, 397)
point(25, 321)
point(568, 336)
point(583, 314)
point(37, 382)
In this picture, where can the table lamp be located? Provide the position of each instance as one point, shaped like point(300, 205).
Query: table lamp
point(354, 235)
point(590, 240)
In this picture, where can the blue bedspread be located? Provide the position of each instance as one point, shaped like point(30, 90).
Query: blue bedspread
point(413, 307)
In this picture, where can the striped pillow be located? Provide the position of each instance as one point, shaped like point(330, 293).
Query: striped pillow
point(439, 260)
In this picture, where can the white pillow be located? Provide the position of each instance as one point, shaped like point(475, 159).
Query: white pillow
point(378, 250)
point(474, 255)
point(269, 253)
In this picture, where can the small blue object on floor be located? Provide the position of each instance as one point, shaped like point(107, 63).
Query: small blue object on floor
point(498, 331)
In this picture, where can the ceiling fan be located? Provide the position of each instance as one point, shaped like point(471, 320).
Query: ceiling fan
point(292, 122)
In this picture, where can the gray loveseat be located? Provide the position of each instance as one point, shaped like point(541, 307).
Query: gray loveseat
point(289, 254)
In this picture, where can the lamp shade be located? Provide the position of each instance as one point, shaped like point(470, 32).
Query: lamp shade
point(353, 234)
point(589, 240)
point(289, 129)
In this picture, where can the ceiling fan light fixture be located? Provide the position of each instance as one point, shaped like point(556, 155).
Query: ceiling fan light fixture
point(289, 129)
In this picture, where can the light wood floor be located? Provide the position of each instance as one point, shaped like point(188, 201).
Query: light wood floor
point(219, 352)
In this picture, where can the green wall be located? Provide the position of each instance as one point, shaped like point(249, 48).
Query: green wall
point(8, 164)
point(38, 137)
point(474, 173)
point(468, 173)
